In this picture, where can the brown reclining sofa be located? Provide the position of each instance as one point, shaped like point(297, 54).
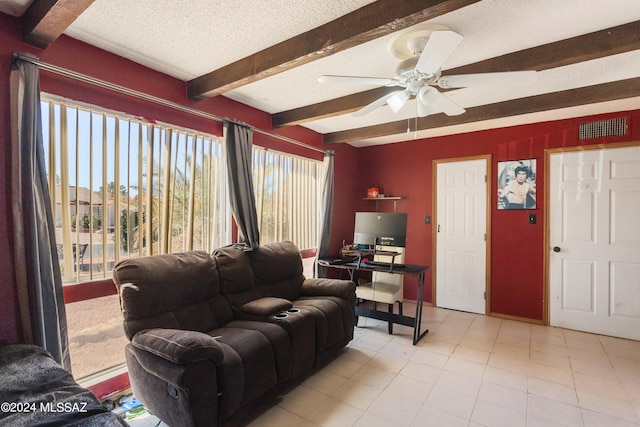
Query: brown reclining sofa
point(215, 335)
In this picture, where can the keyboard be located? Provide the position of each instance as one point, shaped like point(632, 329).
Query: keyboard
point(337, 261)
point(381, 264)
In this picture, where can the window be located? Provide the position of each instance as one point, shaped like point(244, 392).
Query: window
point(288, 195)
point(126, 187)
point(122, 187)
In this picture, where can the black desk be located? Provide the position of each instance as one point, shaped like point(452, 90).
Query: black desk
point(418, 271)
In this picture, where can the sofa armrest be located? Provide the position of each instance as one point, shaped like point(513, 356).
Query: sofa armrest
point(344, 289)
point(266, 306)
point(178, 346)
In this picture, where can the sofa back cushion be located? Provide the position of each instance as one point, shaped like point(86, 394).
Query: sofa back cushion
point(279, 267)
point(271, 270)
point(176, 291)
point(234, 270)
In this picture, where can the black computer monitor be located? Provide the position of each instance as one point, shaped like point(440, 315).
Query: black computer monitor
point(380, 228)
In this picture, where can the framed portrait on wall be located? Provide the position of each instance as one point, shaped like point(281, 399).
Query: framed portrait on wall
point(517, 184)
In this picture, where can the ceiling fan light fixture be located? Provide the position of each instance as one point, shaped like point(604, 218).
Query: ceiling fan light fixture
point(424, 109)
point(397, 101)
point(426, 95)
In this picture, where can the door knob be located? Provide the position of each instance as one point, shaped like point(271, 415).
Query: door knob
point(556, 249)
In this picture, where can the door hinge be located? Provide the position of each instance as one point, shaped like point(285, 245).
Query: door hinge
point(485, 237)
point(485, 295)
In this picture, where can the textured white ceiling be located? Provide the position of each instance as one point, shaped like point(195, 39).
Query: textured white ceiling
point(188, 38)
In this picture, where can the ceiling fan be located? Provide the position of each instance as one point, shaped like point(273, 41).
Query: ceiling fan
point(423, 52)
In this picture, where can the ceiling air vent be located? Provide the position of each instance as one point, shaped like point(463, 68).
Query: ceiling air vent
point(602, 128)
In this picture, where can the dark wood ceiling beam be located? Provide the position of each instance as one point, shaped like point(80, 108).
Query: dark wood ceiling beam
point(607, 42)
point(611, 41)
point(551, 101)
point(372, 21)
point(45, 20)
point(333, 107)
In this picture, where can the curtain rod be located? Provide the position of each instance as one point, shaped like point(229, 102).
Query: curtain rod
point(117, 88)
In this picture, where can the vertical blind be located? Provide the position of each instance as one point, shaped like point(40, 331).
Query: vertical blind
point(122, 187)
point(288, 193)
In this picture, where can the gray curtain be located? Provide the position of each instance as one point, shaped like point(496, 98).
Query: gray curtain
point(39, 283)
point(326, 211)
point(238, 141)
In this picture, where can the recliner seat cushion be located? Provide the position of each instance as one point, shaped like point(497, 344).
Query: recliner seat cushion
point(280, 344)
point(334, 319)
point(248, 369)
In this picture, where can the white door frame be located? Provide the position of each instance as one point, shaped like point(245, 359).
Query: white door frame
point(434, 222)
point(547, 229)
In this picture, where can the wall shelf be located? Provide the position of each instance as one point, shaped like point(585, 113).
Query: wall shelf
point(377, 199)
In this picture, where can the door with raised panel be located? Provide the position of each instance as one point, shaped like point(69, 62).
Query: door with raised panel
point(461, 246)
point(594, 241)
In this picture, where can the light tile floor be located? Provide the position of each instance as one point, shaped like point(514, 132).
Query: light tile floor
point(470, 370)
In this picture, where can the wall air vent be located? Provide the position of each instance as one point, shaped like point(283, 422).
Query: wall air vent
point(602, 128)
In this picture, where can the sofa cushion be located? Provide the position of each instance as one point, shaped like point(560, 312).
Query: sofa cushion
point(176, 291)
point(179, 346)
point(266, 306)
point(334, 320)
point(280, 343)
point(275, 261)
point(279, 267)
point(160, 283)
point(234, 270)
point(248, 369)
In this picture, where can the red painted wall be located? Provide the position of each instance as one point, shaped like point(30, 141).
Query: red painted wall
point(80, 57)
point(517, 253)
point(403, 169)
point(9, 330)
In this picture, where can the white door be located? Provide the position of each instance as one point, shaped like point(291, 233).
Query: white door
point(594, 239)
point(461, 246)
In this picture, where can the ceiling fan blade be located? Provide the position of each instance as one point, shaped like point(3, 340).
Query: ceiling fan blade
point(430, 96)
point(376, 81)
point(510, 78)
point(439, 47)
point(375, 104)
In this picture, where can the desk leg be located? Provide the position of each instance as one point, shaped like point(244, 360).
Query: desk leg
point(417, 336)
point(350, 271)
